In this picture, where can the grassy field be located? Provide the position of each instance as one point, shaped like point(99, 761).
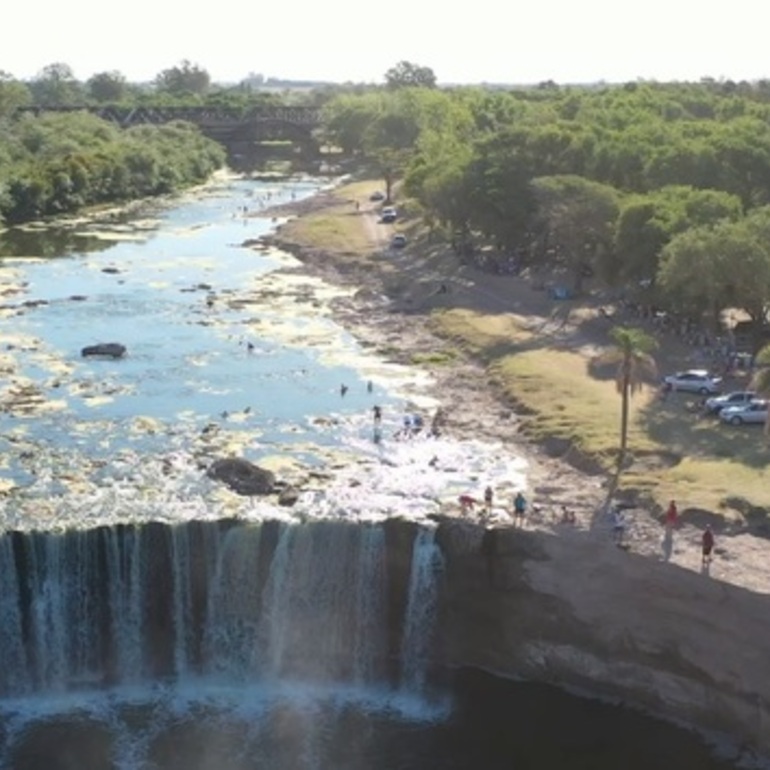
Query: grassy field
point(676, 454)
point(337, 228)
point(566, 401)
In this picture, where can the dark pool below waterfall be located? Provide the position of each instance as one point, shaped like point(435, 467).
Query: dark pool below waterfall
point(147, 622)
point(494, 725)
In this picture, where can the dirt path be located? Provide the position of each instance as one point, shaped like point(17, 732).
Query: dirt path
point(378, 232)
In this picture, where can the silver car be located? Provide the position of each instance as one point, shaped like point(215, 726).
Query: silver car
point(694, 381)
point(716, 404)
point(753, 412)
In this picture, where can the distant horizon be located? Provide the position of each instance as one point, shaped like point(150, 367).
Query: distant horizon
point(340, 41)
point(268, 79)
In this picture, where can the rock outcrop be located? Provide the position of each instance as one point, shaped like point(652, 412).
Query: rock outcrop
point(242, 476)
point(105, 350)
point(577, 612)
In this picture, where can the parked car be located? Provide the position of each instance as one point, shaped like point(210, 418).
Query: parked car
point(694, 381)
point(389, 214)
point(398, 241)
point(377, 195)
point(751, 413)
point(716, 404)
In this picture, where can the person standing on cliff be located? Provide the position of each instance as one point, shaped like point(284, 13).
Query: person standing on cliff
point(618, 526)
point(519, 509)
point(708, 547)
point(672, 516)
point(488, 498)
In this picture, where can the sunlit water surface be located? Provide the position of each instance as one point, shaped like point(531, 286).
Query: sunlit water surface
point(227, 353)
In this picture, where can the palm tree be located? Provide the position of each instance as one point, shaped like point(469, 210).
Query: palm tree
point(635, 364)
point(761, 379)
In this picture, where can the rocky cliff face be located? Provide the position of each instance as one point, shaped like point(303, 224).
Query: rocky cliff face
point(578, 612)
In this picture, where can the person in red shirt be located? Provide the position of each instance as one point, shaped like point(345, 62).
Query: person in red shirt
point(672, 514)
point(708, 546)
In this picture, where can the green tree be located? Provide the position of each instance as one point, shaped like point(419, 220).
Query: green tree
point(406, 74)
point(439, 180)
point(648, 222)
point(56, 85)
point(503, 201)
point(751, 276)
point(577, 219)
point(391, 137)
point(761, 379)
point(631, 353)
point(107, 86)
point(63, 161)
point(707, 269)
point(184, 79)
point(13, 94)
point(346, 119)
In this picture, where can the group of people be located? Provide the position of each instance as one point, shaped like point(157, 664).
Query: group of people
point(670, 522)
point(518, 508)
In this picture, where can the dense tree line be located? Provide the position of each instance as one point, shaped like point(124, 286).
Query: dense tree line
point(663, 190)
point(185, 84)
point(55, 163)
point(58, 163)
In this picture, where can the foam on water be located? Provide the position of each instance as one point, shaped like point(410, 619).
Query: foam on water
point(414, 477)
point(127, 441)
point(203, 702)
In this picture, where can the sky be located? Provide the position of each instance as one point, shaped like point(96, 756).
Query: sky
point(482, 41)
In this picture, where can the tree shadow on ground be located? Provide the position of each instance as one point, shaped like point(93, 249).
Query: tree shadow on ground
point(677, 424)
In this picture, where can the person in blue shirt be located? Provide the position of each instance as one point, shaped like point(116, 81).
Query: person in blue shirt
point(519, 509)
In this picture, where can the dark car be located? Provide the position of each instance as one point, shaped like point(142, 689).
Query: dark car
point(377, 195)
point(398, 241)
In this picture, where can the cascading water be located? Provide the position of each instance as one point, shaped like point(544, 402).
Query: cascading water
point(125, 604)
point(295, 609)
point(422, 610)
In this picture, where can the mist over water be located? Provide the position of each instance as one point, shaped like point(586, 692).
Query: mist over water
point(132, 640)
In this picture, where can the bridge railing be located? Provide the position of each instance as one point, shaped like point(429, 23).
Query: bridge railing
point(128, 116)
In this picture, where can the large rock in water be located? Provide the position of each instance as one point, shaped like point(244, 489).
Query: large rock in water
point(242, 476)
point(106, 349)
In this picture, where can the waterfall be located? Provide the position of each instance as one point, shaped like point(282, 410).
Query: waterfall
point(320, 602)
point(324, 608)
point(232, 625)
point(417, 645)
point(12, 650)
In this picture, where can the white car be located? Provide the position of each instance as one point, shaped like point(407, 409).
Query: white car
point(751, 413)
point(694, 381)
point(389, 214)
point(716, 404)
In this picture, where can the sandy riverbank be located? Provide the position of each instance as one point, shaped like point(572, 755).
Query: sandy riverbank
point(390, 313)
